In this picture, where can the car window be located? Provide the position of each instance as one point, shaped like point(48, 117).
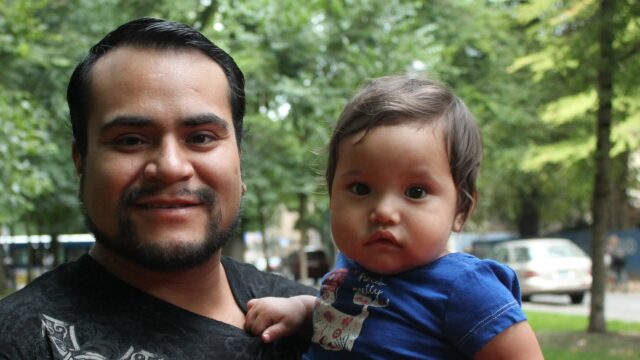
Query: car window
point(554, 251)
point(500, 254)
point(522, 254)
point(558, 251)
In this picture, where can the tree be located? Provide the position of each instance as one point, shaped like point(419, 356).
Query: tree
point(303, 63)
point(565, 39)
point(601, 195)
point(525, 69)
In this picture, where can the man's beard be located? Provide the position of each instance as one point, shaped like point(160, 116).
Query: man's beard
point(155, 255)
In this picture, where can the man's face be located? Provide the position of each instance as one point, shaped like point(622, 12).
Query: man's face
point(161, 181)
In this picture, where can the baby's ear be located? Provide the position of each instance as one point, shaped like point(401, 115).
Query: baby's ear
point(461, 216)
point(458, 222)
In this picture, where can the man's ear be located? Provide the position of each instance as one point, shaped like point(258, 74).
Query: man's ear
point(77, 158)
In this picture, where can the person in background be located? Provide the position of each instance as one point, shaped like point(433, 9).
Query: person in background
point(616, 257)
point(156, 112)
point(403, 161)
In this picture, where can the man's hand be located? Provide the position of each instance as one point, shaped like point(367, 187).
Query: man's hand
point(274, 318)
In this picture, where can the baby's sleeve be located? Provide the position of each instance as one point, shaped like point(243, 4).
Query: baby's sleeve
point(483, 302)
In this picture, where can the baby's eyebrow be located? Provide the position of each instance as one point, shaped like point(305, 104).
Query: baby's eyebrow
point(350, 173)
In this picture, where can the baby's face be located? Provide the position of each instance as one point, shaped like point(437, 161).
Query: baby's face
point(393, 200)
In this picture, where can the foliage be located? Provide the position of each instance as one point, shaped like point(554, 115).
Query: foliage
point(524, 68)
point(301, 68)
point(24, 136)
point(562, 44)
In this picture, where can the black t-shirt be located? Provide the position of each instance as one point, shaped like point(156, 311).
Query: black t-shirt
point(82, 311)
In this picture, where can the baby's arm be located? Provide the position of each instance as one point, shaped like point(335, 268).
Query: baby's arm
point(518, 342)
point(274, 317)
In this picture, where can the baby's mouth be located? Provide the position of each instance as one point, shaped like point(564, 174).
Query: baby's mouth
point(382, 237)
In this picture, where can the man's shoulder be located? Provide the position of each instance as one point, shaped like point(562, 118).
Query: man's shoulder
point(21, 312)
point(52, 289)
point(38, 286)
point(249, 282)
point(247, 271)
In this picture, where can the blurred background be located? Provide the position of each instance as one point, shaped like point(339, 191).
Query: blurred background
point(553, 84)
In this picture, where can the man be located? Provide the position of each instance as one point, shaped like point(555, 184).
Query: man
point(156, 111)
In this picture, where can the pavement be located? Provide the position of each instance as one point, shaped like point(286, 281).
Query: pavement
point(619, 305)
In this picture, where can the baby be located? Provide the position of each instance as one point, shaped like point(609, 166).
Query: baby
point(402, 167)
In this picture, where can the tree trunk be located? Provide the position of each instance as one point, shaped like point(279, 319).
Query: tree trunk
point(4, 284)
point(235, 247)
point(529, 218)
point(262, 216)
point(302, 227)
point(55, 250)
point(618, 205)
point(602, 185)
point(30, 254)
point(205, 15)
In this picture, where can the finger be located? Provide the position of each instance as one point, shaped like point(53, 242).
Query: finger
point(251, 303)
point(259, 323)
point(275, 332)
point(250, 318)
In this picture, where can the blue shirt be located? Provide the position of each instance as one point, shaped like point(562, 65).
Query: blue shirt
point(448, 309)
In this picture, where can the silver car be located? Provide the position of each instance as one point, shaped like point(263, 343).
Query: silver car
point(547, 266)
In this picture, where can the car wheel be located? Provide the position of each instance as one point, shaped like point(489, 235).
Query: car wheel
point(577, 298)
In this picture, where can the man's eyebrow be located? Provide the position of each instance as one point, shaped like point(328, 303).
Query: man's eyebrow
point(126, 121)
point(205, 119)
point(140, 121)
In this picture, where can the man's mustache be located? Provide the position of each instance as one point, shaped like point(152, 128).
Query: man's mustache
point(204, 195)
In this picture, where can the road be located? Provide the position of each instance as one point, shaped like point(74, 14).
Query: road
point(618, 306)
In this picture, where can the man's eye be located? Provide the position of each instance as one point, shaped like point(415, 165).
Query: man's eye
point(359, 189)
point(129, 141)
point(201, 138)
point(416, 192)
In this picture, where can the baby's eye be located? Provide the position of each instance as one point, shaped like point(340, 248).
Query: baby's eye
point(416, 192)
point(359, 189)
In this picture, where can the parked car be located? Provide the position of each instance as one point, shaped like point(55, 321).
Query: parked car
point(317, 263)
point(547, 266)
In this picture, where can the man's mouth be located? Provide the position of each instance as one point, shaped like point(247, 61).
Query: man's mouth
point(152, 204)
point(164, 206)
point(151, 198)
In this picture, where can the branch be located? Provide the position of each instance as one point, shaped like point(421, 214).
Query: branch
point(206, 15)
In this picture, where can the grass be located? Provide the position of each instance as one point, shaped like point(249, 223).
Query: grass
point(564, 337)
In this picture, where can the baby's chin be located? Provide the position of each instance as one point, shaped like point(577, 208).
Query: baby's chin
point(395, 265)
point(387, 269)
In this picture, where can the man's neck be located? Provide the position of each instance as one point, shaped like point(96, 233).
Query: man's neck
point(203, 290)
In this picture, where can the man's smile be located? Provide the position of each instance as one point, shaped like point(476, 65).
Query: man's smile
point(176, 203)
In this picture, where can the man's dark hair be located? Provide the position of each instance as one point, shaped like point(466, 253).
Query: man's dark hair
point(399, 99)
point(149, 33)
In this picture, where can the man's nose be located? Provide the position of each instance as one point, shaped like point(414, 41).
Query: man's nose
point(169, 163)
point(385, 211)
